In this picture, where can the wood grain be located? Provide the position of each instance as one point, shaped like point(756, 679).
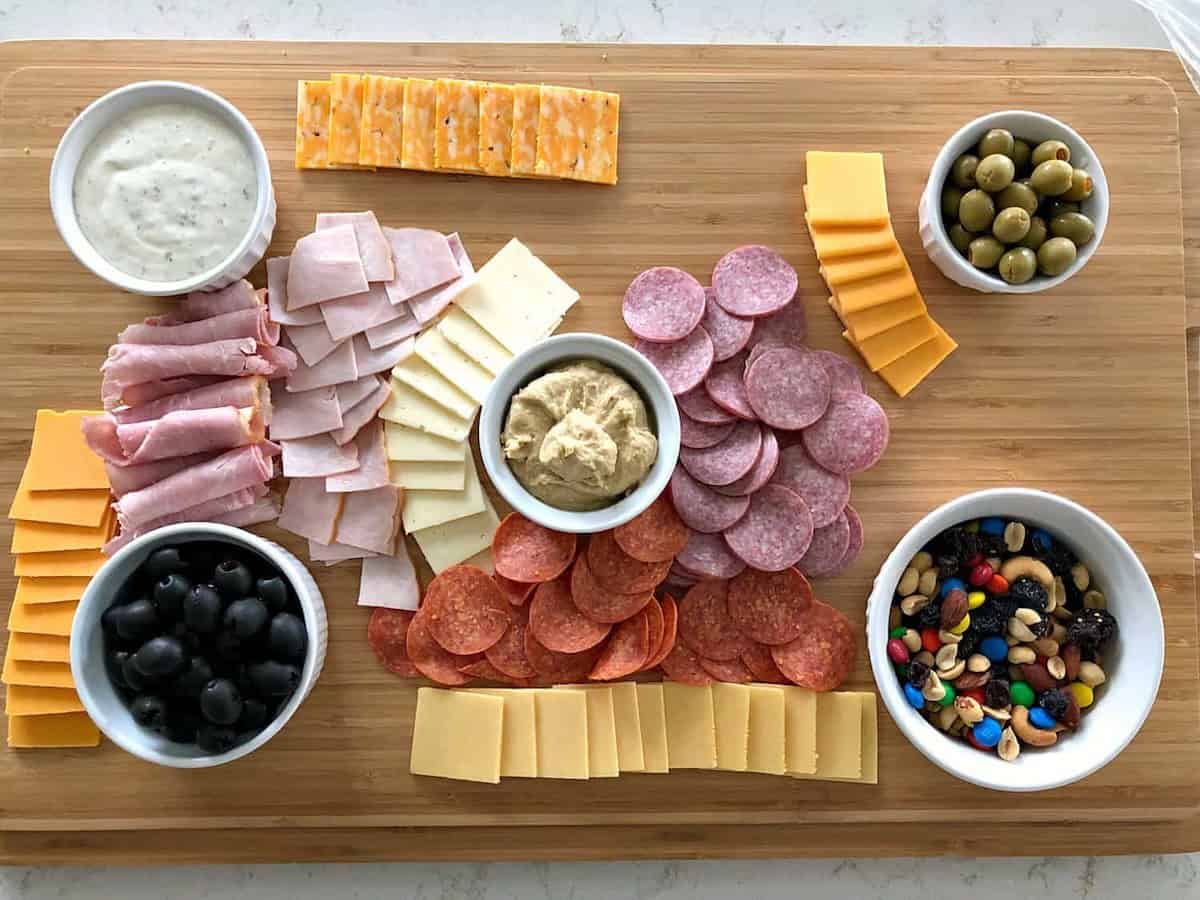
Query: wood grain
point(1083, 391)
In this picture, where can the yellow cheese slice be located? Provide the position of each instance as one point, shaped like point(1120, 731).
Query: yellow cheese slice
point(39, 647)
point(473, 341)
point(691, 731)
point(457, 540)
point(577, 134)
point(420, 106)
point(44, 618)
point(845, 188)
point(838, 272)
point(422, 377)
point(653, 722)
point(518, 747)
point(429, 476)
point(495, 128)
point(526, 106)
point(49, 590)
point(860, 295)
point(453, 365)
point(888, 346)
point(59, 460)
point(345, 117)
point(870, 742)
point(909, 370)
point(601, 730)
point(312, 124)
point(381, 132)
point(21, 700)
point(800, 725)
point(767, 749)
point(412, 445)
point(55, 731)
point(61, 564)
point(36, 674)
point(867, 323)
point(456, 134)
point(731, 716)
point(45, 537)
point(425, 509)
point(413, 409)
point(839, 737)
point(838, 243)
point(627, 718)
point(457, 734)
point(85, 508)
point(562, 733)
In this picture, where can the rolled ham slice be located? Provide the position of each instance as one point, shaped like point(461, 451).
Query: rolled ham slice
point(373, 248)
point(283, 361)
point(264, 509)
point(304, 414)
point(204, 305)
point(428, 305)
point(361, 413)
point(179, 433)
point(310, 511)
point(125, 479)
point(423, 261)
point(352, 315)
point(373, 360)
point(324, 265)
point(250, 391)
point(277, 273)
point(373, 467)
point(201, 512)
point(141, 394)
point(317, 457)
point(370, 519)
point(241, 323)
point(389, 581)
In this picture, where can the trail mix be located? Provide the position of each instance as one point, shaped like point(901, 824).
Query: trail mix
point(997, 634)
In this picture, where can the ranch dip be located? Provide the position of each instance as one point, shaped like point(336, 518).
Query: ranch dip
point(165, 192)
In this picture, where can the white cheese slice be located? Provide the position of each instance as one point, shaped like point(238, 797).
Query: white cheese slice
point(429, 476)
point(420, 376)
point(415, 410)
point(411, 445)
point(462, 539)
point(452, 365)
point(424, 509)
point(474, 342)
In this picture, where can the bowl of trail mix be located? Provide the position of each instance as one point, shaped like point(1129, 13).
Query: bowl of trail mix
point(997, 629)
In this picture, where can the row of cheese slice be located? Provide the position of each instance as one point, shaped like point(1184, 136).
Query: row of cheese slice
point(457, 125)
point(602, 731)
point(872, 288)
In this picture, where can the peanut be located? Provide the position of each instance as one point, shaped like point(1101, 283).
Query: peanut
point(1035, 737)
point(946, 716)
point(934, 689)
point(949, 637)
point(1045, 647)
point(913, 604)
point(1094, 600)
point(1000, 715)
point(1081, 576)
point(955, 671)
point(912, 640)
point(922, 561)
point(968, 710)
point(1021, 655)
point(1027, 615)
point(1020, 630)
point(977, 662)
point(1056, 667)
point(1059, 594)
point(1014, 537)
point(1058, 631)
point(1091, 674)
point(908, 582)
point(947, 656)
point(1009, 747)
point(1010, 640)
point(928, 582)
point(925, 657)
point(1022, 566)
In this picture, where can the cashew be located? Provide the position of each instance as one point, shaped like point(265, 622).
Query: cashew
point(1094, 600)
point(934, 689)
point(1020, 630)
point(1081, 576)
point(913, 604)
point(1056, 667)
point(949, 637)
point(946, 716)
point(953, 672)
point(1027, 615)
point(925, 657)
point(977, 662)
point(1045, 647)
point(1009, 747)
point(1014, 537)
point(1059, 594)
point(1020, 566)
point(1091, 674)
point(922, 561)
point(968, 710)
point(947, 656)
point(927, 583)
point(1021, 655)
point(1035, 737)
point(912, 640)
point(1000, 715)
point(908, 582)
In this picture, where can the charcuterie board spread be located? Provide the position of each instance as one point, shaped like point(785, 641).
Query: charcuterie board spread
point(371, 497)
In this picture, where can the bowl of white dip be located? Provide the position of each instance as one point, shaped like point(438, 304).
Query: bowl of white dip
point(162, 188)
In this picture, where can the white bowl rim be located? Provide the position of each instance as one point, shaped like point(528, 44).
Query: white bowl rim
point(92, 595)
point(920, 733)
point(62, 205)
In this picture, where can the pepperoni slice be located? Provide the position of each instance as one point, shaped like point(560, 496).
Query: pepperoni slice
point(670, 616)
point(559, 668)
point(843, 374)
point(759, 661)
point(824, 555)
point(708, 556)
point(558, 624)
point(788, 387)
point(726, 387)
point(705, 624)
point(525, 551)
point(655, 625)
point(851, 436)
point(387, 633)
point(699, 406)
point(466, 611)
point(729, 334)
point(826, 493)
point(775, 532)
point(684, 363)
point(483, 669)
point(430, 658)
point(517, 592)
point(822, 657)
point(625, 651)
point(663, 304)
point(700, 434)
point(701, 508)
point(764, 468)
point(599, 603)
point(682, 665)
point(770, 607)
point(733, 671)
point(727, 461)
point(788, 327)
point(655, 534)
point(617, 571)
point(508, 653)
point(753, 281)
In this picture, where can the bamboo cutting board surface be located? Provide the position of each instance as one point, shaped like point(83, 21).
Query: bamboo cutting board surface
point(1082, 391)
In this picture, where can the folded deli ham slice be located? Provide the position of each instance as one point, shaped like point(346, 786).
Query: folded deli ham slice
point(277, 274)
point(175, 434)
point(372, 361)
point(336, 553)
point(389, 581)
point(354, 314)
point(310, 511)
point(201, 512)
point(404, 325)
point(372, 471)
point(337, 367)
point(373, 247)
point(428, 305)
point(362, 413)
point(204, 305)
point(251, 391)
point(325, 265)
point(125, 479)
point(370, 519)
point(298, 415)
point(351, 393)
point(425, 261)
point(312, 342)
point(264, 509)
point(253, 323)
point(316, 457)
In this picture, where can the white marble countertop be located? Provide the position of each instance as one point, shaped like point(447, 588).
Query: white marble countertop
point(1015, 22)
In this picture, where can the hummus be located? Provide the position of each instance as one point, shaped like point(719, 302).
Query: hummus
point(578, 437)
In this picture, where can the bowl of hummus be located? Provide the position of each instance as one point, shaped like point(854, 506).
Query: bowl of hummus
point(579, 433)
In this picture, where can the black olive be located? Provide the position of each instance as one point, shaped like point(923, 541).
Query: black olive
point(233, 579)
point(246, 617)
point(149, 711)
point(160, 657)
point(109, 619)
point(114, 662)
point(227, 647)
point(203, 558)
point(221, 701)
point(165, 561)
point(134, 679)
point(273, 679)
point(286, 639)
point(202, 609)
point(168, 596)
point(189, 639)
point(274, 593)
point(214, 739)
point(138, 620)
point(254, 717)
point(183, 721)
point(193, 678)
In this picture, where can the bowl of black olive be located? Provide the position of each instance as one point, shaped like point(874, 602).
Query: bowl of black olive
point(194, 645)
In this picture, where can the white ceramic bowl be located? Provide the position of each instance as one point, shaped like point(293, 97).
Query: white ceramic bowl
point(1133, 663)
point(101, 700)
point(103, 112)
point(1035, 128)
point(637, 370)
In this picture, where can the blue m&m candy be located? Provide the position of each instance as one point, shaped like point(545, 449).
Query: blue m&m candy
point(953, 584)
point(994, 648)
point(992, 525)
point(1039, 718)
point(914, 697)
point(987, 732)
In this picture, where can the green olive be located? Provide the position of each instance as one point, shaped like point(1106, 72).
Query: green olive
point(1081, 186)
point(1036, 235)
point(1055, 256)
point(960, 238)
point(951, 197)
point(1021, 154)
point(1052, 178)
point(976, 210)
point(1075, 227)
point(1017, 265)
point(1019, 195)
point(1052, 207)
point(962, 173)
point(1050, 150)
point(998, 140)
point(995, 173)
point(984, 252)
point(1011, 225)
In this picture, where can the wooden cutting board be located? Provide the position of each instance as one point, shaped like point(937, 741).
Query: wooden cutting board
point(1082, 391)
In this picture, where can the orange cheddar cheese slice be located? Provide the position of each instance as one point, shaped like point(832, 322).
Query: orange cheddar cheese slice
point(599, 121)
point(43, 618)
point(381, 134)
point(49, 590)
point(313, 100)
point(59, 460)
point(39, 647)
point(911, 369)
point(888, 346)
point(44, 537)
point(60, 730)
point(345, 117)
point(867, 323)
point(58, 565)
point(838, 272)
point(78, 507)
point(845, 188)
point(577, 134)
point(22, 700)
point(495, 128)
point(860, 295)
point(456, 135)
point(36, 674)
point(837, 243)
point(527, 99)
point(420, 106)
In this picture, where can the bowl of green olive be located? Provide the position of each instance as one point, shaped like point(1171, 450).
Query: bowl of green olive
point(1016, 202)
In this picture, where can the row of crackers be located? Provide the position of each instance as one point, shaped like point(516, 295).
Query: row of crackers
point(455, 125)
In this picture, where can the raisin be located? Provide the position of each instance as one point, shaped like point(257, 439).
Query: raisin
point(1059, 560)
point(970, 640)
point(1028, 593)
point(995, 693)
point(1054, 702)
point(990, 618)
point(931, 616)
point(991, 544)
point(1091, 629)
point(917, 673)
point(952, 548)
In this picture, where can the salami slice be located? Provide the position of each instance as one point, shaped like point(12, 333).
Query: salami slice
point(788, 388)
point(726, 462)
point(676, 586)
point(753, 281)
point(786, 328)
point(701, 508)
point(508, 653)
point(759, 661)
point(823, 557)
point(697, 405)
point(764, 468)
point(655, 534)
point(517, 592)
point(682, 665)
point(775, 532)
point(851, 436)
point(856, 539)
point(387, 634)
point(616, 570)
point(430, 658)
point(726, 387)
point(825, 493)
point(559, 668)
point(465, 610)
point(843, 374)
point(754, 353)
point(558, 624)
point(822, 657)
point(708, 556)
point(625, 650)
point(770, 607)
point(733, 671)
point(599, 603)
point(485, 671)
point(684, 363)
point(729, 334)
point(700, 434)
point(705, 625)
point(663, 304)
point(526, 551)
point(670, 616)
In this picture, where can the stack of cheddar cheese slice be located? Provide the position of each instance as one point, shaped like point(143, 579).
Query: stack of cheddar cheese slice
point(872, 288)
point(62, 516)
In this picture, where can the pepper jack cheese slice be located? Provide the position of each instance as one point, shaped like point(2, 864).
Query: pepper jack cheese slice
point(345, 117)
point(473, 341)
point(454, 365)
point(888, 346)
point(867, 323)
point(49, 590)
point(414, 410)
point(838, 272)
point(838, 243)
point(410, 445)
point(381, 135)
point(85, 508)
point(39, 647)
point(845, 188)
point(860, 295)
point(767, 751)
point(44, 618)
point(59, 460)
point(731, 716)
point(36, 674)
point(425, 509)
point(420, 107)
point(420, 376)
point(562, 733)
point(527, 100)
point(63, 563)
point(429, 476)
point(495, 128)
point(653, 722)
point(800, 727)
point(911, 369)
point(313, 100)
point(21, 700)
point(452, 542)
point(457, 734)
point(518, 747)
point(691, 730)
point(56, 731)
point(456, 134)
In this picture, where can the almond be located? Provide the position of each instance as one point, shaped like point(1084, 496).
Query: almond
point(1071, 656)
point(954, 607)
point(1038, 678)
